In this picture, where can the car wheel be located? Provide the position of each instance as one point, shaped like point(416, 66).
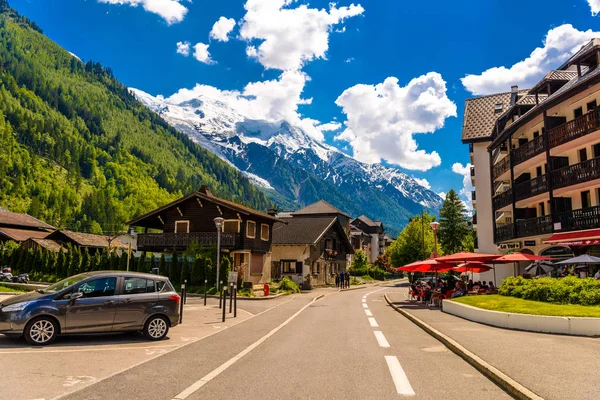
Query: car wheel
point(156, 328)
point(41, 331)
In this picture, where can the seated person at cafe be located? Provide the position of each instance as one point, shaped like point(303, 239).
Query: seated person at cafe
point(483, 285)
point(491, 286)
point(427, 292)
point(442, 287)
point(470, 284)
point(459, 290)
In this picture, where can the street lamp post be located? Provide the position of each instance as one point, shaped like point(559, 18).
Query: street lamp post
point(434, 226)
point(219, 226)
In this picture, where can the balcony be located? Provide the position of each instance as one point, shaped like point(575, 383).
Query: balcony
point(528, 150)
point(504, 232)
point(474, 195)
point(574, 129)
point(577, 220)
point(531, 188)
point(472, 171)
point(534, 226)
point(576, 173)
point(502, 200)
point(475, 219)
point(183, 240)
point(501, 167)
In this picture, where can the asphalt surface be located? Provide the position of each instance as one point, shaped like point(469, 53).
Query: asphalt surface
point(552, 366)
point(305, 349)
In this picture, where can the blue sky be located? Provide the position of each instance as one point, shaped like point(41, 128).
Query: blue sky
point(312, 50)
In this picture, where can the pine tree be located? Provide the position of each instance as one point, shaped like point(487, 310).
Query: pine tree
point(210, 272)
point(197, 277)
point(50, 267)
point(453, 224)
point(14, 258)
point(96, 262)
point(75, 262)
point(85, 261)
point(123, 261)
point(60, 264)
point(162, 265)
point(185, 270)
point(152, 264)
point(35, 260)
point(141, 263)
point(114, 261)
point(225, 269)
point(43, 262)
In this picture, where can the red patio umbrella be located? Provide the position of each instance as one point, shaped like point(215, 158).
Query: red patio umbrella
point(465, 256)
point(474, 266)
point(518, 257)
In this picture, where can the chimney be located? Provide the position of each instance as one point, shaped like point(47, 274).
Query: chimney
point(513, 94)
point(205, 190)
point(272, 212)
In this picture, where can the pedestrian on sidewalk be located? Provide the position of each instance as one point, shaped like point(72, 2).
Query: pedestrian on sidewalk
point(347, 275)
point(337, 281)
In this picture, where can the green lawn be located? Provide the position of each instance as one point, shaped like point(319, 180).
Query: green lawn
point(496, 302)
point(4, 289)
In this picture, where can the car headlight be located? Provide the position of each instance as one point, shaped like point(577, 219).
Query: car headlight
point(16, 306)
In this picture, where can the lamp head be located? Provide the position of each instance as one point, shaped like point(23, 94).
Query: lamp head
point(219, 222)
point(435, 225)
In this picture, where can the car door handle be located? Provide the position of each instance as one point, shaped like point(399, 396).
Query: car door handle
point(127, 301)
point(109, 303)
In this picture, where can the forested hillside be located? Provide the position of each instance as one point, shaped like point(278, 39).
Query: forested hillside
point(79, 151)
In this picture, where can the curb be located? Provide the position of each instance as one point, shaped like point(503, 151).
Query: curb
point(352, 288)
point(508, 384)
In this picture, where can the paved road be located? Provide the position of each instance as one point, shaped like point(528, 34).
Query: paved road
point(348, 345)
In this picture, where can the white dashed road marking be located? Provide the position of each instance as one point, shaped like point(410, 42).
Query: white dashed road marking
point(369, 313)
point(403, 386)
point(373, 322)
point(365, 305)
point(364, 300)
point(381, 339)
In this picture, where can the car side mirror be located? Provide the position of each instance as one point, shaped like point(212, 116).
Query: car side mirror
point(75, 296)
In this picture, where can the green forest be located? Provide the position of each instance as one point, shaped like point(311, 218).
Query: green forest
point(79, 151)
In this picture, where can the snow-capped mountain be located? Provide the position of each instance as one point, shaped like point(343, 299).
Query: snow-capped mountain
point(294, 168)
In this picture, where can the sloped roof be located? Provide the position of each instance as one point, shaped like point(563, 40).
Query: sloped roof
point(21, 235)
point(480, 115)
point(23, 220)
point(48, 244)
point(87, 239)
point(305, 230)
point(320, 207)
point(369, 221)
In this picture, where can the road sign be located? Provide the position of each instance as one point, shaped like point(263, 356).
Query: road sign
point(233, 277)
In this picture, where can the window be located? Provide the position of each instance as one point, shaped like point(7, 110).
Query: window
point(596, 150)
point(264, 232)
point(536, 134)
point(585, 199)
point(231, 226)
point(542, 209)
point(251, 229)
point(598, 196)
point(182, 226)
point(578, 112)
point(591, 106)
point(164, 286)
point(538, 171)
point(498, 108)
point(583, 155)
point(288, 267)
point(134, 285)
point(98, 287)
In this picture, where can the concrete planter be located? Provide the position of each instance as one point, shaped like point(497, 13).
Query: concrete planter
point(525, 322)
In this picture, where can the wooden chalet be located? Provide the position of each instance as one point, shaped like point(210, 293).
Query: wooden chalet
point(20, 227)
point(246, 233)
point(90, 241)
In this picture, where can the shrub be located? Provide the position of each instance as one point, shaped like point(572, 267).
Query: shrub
point(568, 290)
point(288, 285)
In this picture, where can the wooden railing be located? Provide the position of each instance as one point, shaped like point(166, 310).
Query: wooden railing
point(182, 240)
point(531, 188)
point(578, 127)
point(534, 226)
point(576, 173)
point(528, 150)
point(503, 199)
point(576, 220)
point(504, 232)
point(501, 167)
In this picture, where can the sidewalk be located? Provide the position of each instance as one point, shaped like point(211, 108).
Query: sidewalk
point(552, 366)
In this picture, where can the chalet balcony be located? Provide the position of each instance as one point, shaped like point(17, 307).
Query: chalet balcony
point(577, 220)
point(502, 200)
point(501, 167)
point(576, 173)
point(474, 195)
point(528, 150)
point(574, 129)
point(183, 240)
point(531, 188)
point(504, 232)
point(534, 226)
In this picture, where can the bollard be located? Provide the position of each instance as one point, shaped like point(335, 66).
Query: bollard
point(181, 303)
point(224, 291)
point(231, 297)
point(205, 283)
point(234, 301)
point(220, 293)
point(184, 291)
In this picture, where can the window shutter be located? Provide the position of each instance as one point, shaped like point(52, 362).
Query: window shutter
point(299, 267)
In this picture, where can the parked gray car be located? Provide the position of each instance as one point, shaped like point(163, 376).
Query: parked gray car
point(93, 302)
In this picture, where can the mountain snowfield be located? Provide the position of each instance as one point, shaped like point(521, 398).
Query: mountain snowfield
point(292, 167)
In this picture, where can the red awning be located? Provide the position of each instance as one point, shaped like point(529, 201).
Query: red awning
point(581, 238)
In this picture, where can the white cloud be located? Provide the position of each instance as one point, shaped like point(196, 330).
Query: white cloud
point(442, 195)
point(467, 188)
point(275, 101)
point(595, 6)
point(349, 60)
point(330, 126)
point(221, 29)
point(382, 119)
point(183, 48)
point(423, 182)
point(202, 54)
point(559, 44)
point(170, 10)
point(290, 37)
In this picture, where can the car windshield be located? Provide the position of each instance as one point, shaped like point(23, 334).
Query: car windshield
point(58, 286)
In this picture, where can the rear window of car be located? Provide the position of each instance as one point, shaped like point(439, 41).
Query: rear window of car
point(136, 285)
point(164, 286)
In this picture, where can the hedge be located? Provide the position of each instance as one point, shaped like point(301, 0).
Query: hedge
point(568, 290)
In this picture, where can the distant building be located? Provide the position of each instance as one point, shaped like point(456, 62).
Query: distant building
point(92, 242)
point(246, 233)
point(360, 241)
point(376, 231)
point(20, 227)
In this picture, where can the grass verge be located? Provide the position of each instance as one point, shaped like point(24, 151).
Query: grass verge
point(497, 302)
point(4, 289)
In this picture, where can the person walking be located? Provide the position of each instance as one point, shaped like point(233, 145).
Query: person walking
point(337, 281)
